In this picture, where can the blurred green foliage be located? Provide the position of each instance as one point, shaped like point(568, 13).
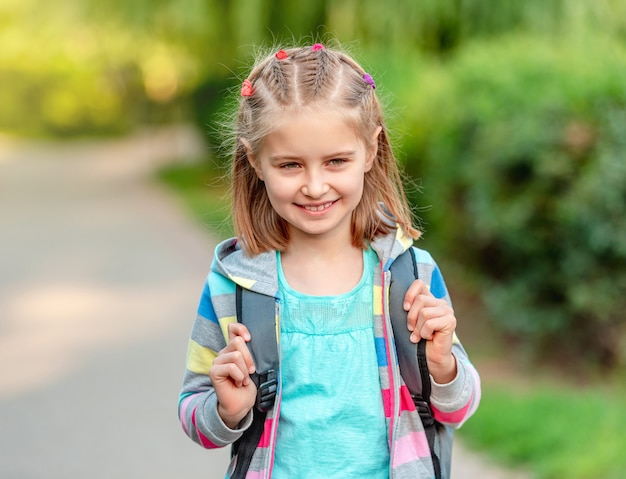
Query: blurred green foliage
point(92, 67)
point(523, 148)
point(96, 67)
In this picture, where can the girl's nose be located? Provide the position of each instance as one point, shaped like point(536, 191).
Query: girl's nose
point(315, 185)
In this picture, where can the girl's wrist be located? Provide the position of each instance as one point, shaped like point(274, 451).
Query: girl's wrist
point(230, 420)
point(443, 372)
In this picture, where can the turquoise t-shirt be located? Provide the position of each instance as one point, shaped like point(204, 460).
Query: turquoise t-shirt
point(332, 422)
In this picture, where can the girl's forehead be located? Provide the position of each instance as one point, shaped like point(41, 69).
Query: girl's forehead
point(316, 117)
point(312, 113)
point(313, 132)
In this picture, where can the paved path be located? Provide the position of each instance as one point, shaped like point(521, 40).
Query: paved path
point(99, 279)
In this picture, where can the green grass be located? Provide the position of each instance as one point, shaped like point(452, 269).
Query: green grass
point(204, 194)
point(553, 431)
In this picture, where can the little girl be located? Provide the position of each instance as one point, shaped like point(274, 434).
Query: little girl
point(320, 215)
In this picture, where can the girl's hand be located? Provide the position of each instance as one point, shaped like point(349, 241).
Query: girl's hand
point(432, 319)
point(230, 375)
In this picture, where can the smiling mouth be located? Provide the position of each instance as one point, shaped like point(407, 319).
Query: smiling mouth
point(318, 208)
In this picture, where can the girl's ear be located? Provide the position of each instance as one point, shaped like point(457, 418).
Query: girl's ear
point(251, 158)
point(372, 148)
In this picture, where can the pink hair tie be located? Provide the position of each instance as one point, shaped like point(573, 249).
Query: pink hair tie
point(281, 54)
point(318, 46)
point(247, 89)
point(368, 79)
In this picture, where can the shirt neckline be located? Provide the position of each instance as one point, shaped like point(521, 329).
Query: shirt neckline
point(284, 284)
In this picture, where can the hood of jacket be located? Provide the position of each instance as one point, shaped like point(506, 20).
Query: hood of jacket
point(259, 273)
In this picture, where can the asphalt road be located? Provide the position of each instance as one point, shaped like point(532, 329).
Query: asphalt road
point(100, 274)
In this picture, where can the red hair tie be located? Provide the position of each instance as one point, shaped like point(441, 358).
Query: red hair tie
point(318, 46)
point(247, 89)
point(281, 54)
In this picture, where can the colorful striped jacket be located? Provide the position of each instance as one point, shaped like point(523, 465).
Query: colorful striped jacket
point(452, 403)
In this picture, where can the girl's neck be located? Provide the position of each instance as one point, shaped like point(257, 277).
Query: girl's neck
point(322, 268)
point(320, 248)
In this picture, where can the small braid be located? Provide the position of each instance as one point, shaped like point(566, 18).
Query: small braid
point(277, 81)
point(322, 78)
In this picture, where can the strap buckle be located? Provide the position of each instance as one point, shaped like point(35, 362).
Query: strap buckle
point(424, 410)
point(266, 384)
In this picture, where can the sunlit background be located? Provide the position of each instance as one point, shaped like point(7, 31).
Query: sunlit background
point(509, 118)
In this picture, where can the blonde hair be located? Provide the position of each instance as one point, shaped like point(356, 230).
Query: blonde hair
point(290, 80)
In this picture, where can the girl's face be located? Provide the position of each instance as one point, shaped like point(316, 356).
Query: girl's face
point(313, 167)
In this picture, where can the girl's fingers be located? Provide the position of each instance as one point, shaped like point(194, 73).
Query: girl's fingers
point(233, 364)
point(440, 323)
point(417, 288)
point(230, 371)
point(238, 329)
point(230, 375)
point(415, 315)
point(428, 315)
point(238, 336)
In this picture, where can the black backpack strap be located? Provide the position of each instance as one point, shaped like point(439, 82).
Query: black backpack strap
point(245, 446)
point(258, 313)
point(411, 356)
point(403, 273)
point(422, 403)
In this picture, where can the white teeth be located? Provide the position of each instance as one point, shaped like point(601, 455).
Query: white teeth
point(318, 208)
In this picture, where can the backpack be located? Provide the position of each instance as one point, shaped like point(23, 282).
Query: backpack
point(258, 313)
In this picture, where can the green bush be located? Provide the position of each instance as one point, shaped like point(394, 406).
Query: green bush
point(522, 147)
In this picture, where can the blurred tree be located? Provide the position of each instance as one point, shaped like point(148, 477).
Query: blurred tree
point(95, 66)
point(523, 159)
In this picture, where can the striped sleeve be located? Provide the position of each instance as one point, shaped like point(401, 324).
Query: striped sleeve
point(455, 402)
point(197, 405)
